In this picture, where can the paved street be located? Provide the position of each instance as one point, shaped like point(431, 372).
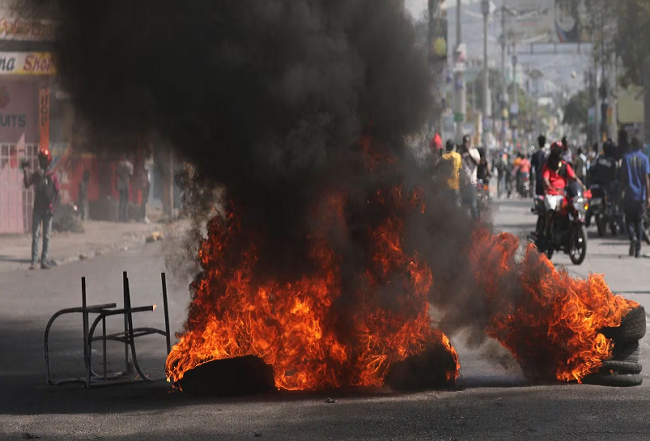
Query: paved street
point(492, 401)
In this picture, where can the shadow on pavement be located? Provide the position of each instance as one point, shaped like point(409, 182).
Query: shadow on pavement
point(4, 258)
point(22, 379)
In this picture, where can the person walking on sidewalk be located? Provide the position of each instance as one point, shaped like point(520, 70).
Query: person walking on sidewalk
point(46, 196)
point(124, 173)
point(635, 185)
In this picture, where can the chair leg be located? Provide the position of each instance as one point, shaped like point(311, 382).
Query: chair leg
point(104, 349)
point(166, 311)
point(84, 316)
point(126, 322)
point(131, 339)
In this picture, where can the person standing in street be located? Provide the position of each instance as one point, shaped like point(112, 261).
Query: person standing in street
point(436, 144)
point(635, 186)
point(581, 165)
point(145, 186)
point(124, 173)
point(537, 164)
point(82, 199)
point(471, 159)
point(452, 157)
point(46, 196)
point(500, 167)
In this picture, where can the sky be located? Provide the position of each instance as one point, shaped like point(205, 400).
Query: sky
point(416, 7)
point(557, 68)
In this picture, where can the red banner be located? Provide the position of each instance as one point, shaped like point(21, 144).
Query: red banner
point(44, 117)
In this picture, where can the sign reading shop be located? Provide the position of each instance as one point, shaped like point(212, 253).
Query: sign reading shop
point(27, 63)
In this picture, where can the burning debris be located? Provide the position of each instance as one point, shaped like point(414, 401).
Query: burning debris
point(334, 241)
point(313, 335)
point(242, 376)
point(553, 324)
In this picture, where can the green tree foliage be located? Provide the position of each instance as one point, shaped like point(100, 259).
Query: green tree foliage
point(632, 38)
point(622, 27)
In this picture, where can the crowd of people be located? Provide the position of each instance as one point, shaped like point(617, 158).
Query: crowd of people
point(468, 170)
point(622, 171)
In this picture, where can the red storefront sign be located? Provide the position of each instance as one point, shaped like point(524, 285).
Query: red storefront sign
point(44, 117)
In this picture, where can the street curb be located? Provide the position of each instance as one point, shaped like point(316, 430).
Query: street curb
point(140, 240)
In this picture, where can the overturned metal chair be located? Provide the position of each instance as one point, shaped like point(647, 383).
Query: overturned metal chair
point(127, 337)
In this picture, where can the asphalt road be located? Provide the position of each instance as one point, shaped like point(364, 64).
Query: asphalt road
point(493, 400)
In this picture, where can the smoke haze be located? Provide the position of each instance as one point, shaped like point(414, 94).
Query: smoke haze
point(268, 100)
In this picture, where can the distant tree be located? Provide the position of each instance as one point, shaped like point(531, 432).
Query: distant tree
point(576, 110)
point(621, 27)
point(632, 39)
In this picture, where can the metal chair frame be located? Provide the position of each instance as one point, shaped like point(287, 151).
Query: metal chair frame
point(127, 337)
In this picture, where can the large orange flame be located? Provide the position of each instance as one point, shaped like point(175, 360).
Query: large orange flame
point(548, 320)
point(292, 326)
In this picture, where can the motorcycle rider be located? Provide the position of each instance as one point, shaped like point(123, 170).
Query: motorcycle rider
point(556, 175)
point(604, 173)
point(605, 168)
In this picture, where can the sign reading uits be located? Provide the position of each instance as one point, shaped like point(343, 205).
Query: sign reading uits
point(27, 63)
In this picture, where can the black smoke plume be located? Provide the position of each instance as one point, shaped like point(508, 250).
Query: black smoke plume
point(267, 99)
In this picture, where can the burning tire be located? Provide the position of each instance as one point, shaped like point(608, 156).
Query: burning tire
point(229, 377)
point(627, 352)
point(632, 328)
point(621, 367)
point(616, 380)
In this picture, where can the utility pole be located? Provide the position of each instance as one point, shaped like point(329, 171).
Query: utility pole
point(646, 99)
point(435, 61)
point(485, 8)
point(593, 76)
point(504, 77)
point(514, 108)
point(460, 106)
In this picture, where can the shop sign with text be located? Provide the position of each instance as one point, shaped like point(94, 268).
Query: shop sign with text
point(27, 63)
point(21, 29)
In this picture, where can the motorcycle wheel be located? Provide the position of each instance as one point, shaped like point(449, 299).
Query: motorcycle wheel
point(601, 225)
point(549, 252)
point(578, 245)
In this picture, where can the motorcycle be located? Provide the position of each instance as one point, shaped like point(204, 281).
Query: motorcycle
point(603, 211)
point(538, 209)
point(483, 198)
point(524, 187)
point(568, 232)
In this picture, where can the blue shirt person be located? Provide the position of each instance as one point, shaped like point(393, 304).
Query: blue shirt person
point(635, 182)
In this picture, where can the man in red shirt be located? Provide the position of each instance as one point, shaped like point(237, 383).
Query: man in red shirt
point(556, 175)
point(436, 144)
